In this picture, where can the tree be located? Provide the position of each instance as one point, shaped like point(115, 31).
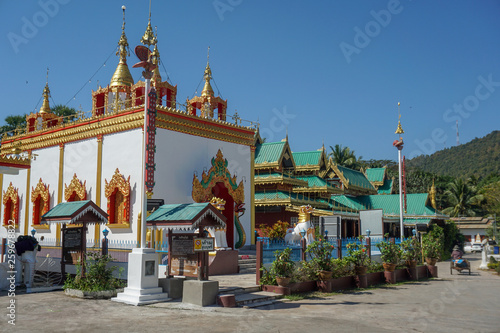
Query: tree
point(344, 156)
point(68, 114)
point(463, 198)
point(491, 193)
point(13, 122)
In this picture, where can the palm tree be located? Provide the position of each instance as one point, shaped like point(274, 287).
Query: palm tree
point(344, 156)
point(462, 197)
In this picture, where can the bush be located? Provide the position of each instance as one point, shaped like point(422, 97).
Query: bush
point(98, 276)
point(276, 232)
point(342, 267)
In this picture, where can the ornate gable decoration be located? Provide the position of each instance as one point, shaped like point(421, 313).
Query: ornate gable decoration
point(11, 210)
point(77, 187)
point(118, 183)
point(41, 190)
point(218, 173)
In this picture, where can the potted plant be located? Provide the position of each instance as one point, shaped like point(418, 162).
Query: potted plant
point(431, 247)
point(283, 267)
point(411, 251)
point(358, 256)
point(390, 254)
point(320, 252)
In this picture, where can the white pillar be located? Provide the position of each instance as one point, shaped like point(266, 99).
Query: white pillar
point(400, 194)
point(144, 199)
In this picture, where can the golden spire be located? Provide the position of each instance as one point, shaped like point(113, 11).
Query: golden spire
point(207, 89)
point(149, 37)
point(399, 130)
point(122, 76)
point(46, 93)
point(155, 59)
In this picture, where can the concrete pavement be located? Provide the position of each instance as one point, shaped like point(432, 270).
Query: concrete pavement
point(452, 303)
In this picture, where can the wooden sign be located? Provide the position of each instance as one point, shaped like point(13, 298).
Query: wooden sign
point(183, 259)
point(72, 245)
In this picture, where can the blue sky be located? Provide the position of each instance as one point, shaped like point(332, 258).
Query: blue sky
point(328, 71)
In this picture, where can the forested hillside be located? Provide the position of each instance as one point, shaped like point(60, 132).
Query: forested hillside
point(479, 157)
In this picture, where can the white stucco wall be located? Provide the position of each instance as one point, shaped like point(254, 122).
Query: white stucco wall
point(179, 156)
point(123, 151)
point(46, 167)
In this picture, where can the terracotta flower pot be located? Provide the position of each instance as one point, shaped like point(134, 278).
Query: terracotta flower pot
point(360, 270)
point(283, 281)
point(431, 261)
point(411, 263)
point(388, 267)
point(325, 275)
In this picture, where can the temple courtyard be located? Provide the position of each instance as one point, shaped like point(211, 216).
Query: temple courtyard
point(451, 303)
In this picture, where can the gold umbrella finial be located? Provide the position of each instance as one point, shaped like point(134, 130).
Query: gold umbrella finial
point(399, 130)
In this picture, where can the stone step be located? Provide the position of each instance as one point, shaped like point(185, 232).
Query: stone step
point(247, 299)
point(238, 290)
point(247, 261)
point(247, 256)
point(248, 270)
point(265, 303)
point(247, 265)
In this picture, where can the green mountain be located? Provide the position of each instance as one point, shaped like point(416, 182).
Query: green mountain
point(479, 157)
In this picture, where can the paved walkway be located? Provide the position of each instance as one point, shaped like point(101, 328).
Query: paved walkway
point(452, 303)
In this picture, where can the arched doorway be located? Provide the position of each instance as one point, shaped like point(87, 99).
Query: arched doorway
point(221, 191)
point(219, 183)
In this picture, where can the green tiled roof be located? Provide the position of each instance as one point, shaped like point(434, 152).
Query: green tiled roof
point(179, 212)
point(314, 181)
point(386, 188)
point(65, 209)
point(349, 202)
point(416, 203)
point(268, 152)
point(307, 158)
point(375, 174)
point(294, 198)
point(270, 177)
point(416, 221)
point(356, 178)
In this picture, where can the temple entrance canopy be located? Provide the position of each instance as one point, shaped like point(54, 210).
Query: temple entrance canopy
point(218, 183)
point(74, 239)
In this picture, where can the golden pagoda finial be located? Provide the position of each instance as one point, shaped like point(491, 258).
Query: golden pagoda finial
point(149, 38)
point(155, 59)
point(399, 130)
point(46, 93)
point(207, 89)
point(122, 76)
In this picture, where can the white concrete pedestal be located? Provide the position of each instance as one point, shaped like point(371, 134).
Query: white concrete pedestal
point(142, 284)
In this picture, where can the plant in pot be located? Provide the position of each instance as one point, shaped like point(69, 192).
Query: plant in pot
point(390, 254)
point(357, 255)
point(320, 252)
point(283, 267)
point(432, 248)
point(411, 251)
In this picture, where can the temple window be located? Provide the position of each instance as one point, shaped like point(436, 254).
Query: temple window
point(11, 206)
point(40, 197)
point(117, 190)
point(75, 191)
